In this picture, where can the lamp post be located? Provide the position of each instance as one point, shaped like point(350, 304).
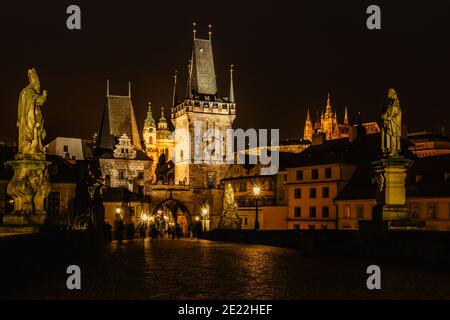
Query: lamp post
point(256, 194)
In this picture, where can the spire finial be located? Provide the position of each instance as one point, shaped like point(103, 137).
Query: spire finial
point(129, 89)
point(308, 117)
point(328, 100)
point(174, 95)
point(189, 82)
point(162, 113)
point(107, 87)
point(210, 31)
point(346, 117)
point(194, 29)
point(231, 84)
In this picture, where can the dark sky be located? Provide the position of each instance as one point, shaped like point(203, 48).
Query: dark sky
point(287, 54)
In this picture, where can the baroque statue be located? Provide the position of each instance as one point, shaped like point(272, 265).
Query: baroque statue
point(30, 120)
point(230, 217)
point(30, 184)
point(391, 126)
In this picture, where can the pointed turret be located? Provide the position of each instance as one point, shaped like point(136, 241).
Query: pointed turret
point(174, 94)
point(231, 85)
point(346, 118)
point(308, 130)
point(149, 121)
point(328, 111)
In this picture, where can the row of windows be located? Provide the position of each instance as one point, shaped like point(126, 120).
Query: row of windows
point(414, 211)
point(121, 175)
point(312, 212)
point(311, 227)
point(312, 193)
point(314, 174)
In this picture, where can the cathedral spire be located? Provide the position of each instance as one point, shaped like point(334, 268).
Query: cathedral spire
point(328, 100)
point(308, 117)
point(346, 117)
point(231, 84)
point(174, 95)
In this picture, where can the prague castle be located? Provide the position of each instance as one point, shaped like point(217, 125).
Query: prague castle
point(327, 125)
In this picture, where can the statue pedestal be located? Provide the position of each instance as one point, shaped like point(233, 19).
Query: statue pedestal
point(29, 187)
point(391, 210)
point(229, 220)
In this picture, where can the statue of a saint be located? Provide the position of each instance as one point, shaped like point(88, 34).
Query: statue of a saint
point(30, 120)
point(391, 126)
point(229, 196)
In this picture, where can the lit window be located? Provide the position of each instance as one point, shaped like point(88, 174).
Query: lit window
point(347, 211)
point(432, 211)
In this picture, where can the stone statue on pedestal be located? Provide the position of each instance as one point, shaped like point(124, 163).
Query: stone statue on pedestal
point(391, 126)
point(230, 218)
point(30, 184)
point(390, 171)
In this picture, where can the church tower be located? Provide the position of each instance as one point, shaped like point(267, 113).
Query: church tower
point(149, 134)
point(308, 130)
point(205, 116)
point(164, 139)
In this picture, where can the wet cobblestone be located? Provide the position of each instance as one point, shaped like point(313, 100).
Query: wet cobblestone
point(192, 269)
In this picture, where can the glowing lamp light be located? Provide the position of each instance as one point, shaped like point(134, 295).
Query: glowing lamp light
point(204, 211)
point(256, 190)
point(145, 217)
point(197, 218)
point(118, 210)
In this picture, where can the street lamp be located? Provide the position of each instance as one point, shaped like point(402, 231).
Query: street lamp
point(256, 194)
point(118, 210)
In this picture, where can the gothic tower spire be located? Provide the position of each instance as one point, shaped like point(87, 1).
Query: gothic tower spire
point(231, 84)
point(174, 95)
point(308, 130)
point(346, 118)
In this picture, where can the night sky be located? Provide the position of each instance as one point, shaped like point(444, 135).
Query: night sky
point(287, 54)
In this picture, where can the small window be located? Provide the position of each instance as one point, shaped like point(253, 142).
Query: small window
point(312, 212)
point(66, 148)
point(360, 212)
point(298, 193)
point(121, 174)
point(347, 211)
point(315, 174)
point(326, 212)
point(297, 212)
point(245, 221)
point(312, 193)
point(296, 226)
point(414, 211)
point(325, 192)
point(299, 175)
point(327, 173)
point(141, 175)
point(432, 211)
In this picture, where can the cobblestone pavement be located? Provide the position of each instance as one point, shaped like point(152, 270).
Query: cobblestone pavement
point(192, 269)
